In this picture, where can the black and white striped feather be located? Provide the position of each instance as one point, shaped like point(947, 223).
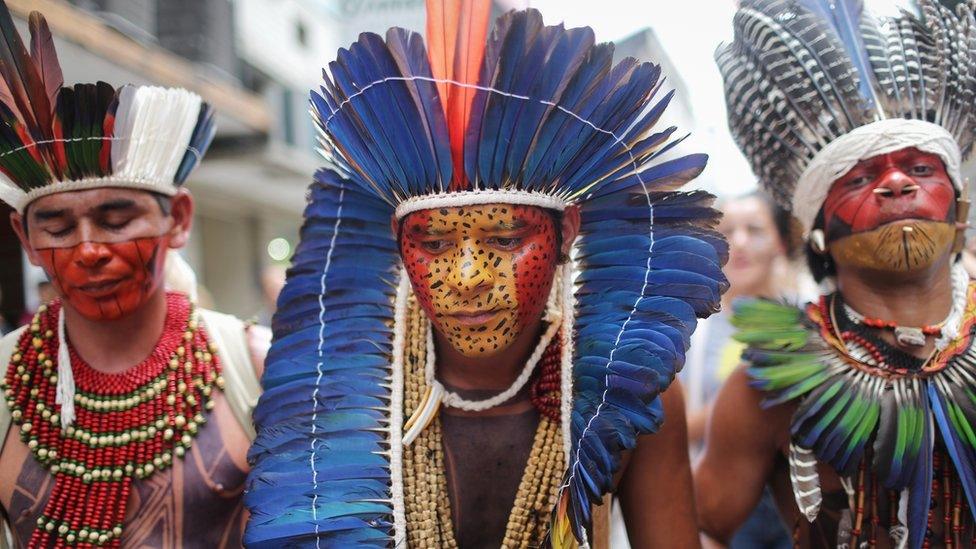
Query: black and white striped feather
point(801, 73)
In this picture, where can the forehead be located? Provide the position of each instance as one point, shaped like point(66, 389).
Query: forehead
point(80, 203)
point(901, 155)
point(482, 216)
point(745, 210)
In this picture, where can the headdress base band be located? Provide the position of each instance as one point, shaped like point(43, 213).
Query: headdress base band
point(477, 198)
point(876, 138)
point(20, 200)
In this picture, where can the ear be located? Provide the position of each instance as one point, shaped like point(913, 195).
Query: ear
point(181, 210)
point(570, 228)
point(17, 223)
point(394, 226)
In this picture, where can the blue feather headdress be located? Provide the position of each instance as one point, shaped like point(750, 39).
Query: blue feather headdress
point(546, 119)
point(813, 86)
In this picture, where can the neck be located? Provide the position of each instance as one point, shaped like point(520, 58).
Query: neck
point(764, 290)
point(496, 372)
point(114, 346)
point(915, 299)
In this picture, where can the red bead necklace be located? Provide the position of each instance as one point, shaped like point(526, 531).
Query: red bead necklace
point(127, 425)
point(545, 392)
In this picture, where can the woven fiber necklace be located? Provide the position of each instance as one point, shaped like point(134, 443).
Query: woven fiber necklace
point(428, 507)
point(127, 425)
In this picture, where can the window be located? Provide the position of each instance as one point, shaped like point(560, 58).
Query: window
point(301, 34)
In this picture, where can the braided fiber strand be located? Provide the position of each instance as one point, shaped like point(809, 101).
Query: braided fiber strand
point(428, 507)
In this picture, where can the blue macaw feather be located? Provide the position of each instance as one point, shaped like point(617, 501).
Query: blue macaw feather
point(347, 411)
point(200, 140)
point(953, 412)
point(408, 50)
point(920, 480)
point(845, 17)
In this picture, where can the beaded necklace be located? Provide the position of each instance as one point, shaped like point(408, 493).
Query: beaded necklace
point(428, 507)
point(127, 425)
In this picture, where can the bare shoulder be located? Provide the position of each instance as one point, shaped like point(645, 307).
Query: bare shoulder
point(743, 439)
point(655, 489)
point(740, 414)
point(258, 343)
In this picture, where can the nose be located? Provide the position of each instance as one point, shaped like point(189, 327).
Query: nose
point(739, 238)
point(470, 272)
point(894, 184)
point(92, 255)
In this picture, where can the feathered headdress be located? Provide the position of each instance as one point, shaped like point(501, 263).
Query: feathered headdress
point(55, 139)
point(531, 114)
point(814, 86)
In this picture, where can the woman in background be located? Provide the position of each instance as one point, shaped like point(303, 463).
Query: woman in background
point(760, 252)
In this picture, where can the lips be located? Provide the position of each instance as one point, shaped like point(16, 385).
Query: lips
point(101, 287)
point(474, 318)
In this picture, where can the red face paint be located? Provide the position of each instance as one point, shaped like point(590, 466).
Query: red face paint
point(481, 273)
point(905, 184)
point(106, 281)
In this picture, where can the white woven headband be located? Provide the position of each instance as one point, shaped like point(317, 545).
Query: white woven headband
point(881, 137)
point(476, 198)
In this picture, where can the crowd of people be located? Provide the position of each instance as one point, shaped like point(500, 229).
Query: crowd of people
point(507, 315)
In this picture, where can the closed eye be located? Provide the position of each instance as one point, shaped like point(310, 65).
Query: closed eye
point(116, 225)
point(60, 232)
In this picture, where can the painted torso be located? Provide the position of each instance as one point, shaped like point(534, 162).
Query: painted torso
point(484, 457)
point(195, 503)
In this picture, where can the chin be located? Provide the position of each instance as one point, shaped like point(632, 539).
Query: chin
point(481, 348)
point(908, 246)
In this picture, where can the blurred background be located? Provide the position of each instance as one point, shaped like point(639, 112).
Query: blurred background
point(255, 60)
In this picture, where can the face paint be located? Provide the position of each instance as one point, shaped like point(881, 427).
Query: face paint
point(482, 273)
point(106, 281)
point(892, 212)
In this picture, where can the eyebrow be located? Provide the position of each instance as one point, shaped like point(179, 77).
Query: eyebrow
point(431, 232)
point(45, 215)
point(117, 204)
point(514, 225)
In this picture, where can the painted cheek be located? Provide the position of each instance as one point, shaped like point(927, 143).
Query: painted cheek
point(137, 263)
point(534, 268)
point(418, 265)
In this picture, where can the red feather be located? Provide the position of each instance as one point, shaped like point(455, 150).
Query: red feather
point(456, 35)
point(442, 22)
point(45, 57)
point(27, 89)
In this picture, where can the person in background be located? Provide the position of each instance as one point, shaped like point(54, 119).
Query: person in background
point(272, 281)
point(857, 408)
point(126, 416)
point(5, 326)
point(46, 292)
point(760, 248)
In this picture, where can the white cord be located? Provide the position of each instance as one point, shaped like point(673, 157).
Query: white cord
point(454, 400)
point(953, 321)
point(65, 393)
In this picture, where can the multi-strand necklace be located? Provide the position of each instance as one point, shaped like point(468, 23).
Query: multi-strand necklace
point(127, 426)
point(428, 507)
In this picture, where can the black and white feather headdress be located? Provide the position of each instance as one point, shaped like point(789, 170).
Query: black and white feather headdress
point(814, 86)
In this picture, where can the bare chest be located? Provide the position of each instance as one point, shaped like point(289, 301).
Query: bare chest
point(485, 458)
point(194, 503)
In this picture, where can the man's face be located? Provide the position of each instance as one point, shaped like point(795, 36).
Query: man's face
point(754, 244)
point(103, 249)
point(893, 211)
point(481, 273)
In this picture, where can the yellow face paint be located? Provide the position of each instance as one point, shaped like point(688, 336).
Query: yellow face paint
point(481, 273)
